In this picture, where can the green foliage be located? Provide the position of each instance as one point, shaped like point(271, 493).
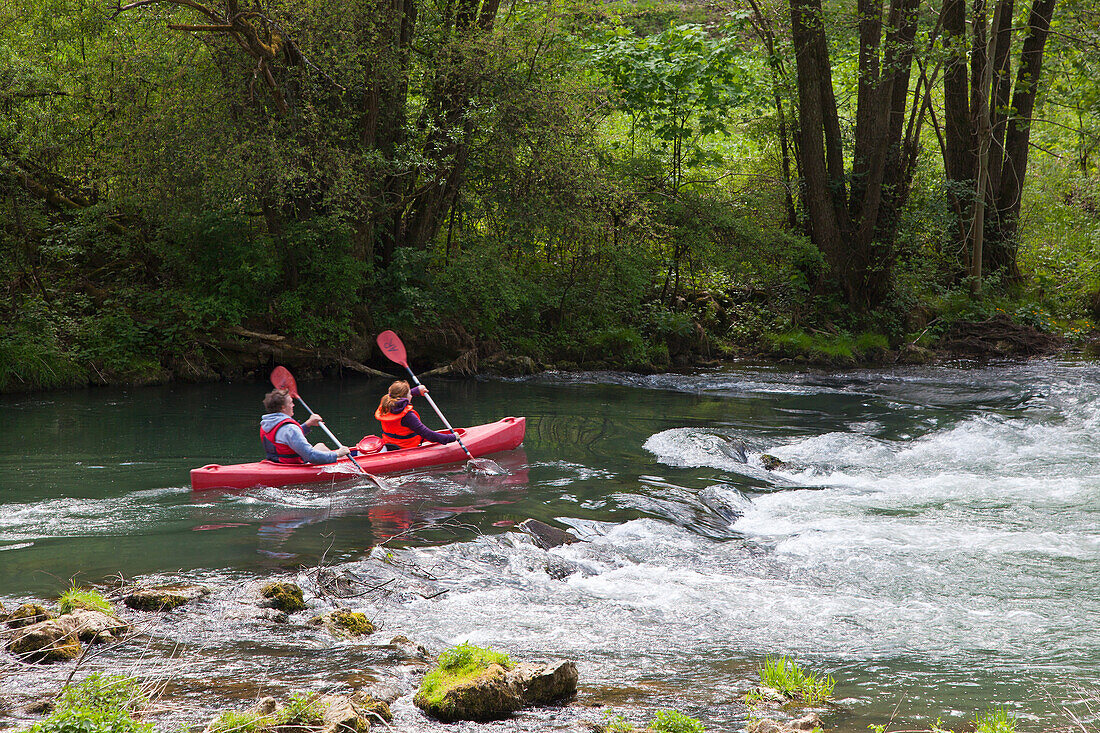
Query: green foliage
point(105, 692)
point(98, 704)
point(89, 599)
point(300, 709)
point(456, 665)
point(788, 678)
point(616, 723)
point(232, 721)
point(673, 721)
point(996, 720)
point(32, 355)
point(828, 347)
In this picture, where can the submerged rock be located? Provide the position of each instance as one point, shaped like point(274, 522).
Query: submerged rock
point(339, 715)
point(497, 692)
point(323, 714)
point(372, 706)
point(286, 597)
point(546, 536)
point(343, 622)
point(46, 641)
point(772, 463)
point(165, 597)
point(27, 615)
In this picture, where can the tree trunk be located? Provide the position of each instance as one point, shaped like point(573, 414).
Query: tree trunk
point(1002, 254)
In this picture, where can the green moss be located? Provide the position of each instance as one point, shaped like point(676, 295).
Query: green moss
point(827, 347)
point(286, 597)
point(352, 623)
point(88, 599)
point(785, 676)
point(457, 665)
point(28, 614)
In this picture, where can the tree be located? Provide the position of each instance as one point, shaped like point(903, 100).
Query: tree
point(988, 119)
point(852, 214)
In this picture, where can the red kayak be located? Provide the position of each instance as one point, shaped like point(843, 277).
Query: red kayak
point(481, 440)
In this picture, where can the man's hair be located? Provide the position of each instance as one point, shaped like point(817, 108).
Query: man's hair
point(274, 400)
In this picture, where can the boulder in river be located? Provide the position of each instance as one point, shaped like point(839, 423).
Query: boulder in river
point(27, 615)
point(546, 536)
point(772, 463)
point(804, 724)
point(496, 691)
point(343, 622)
point(286, 597)
point(45, 641)
point(165, 597)
point(94, 626)
point(302, 713)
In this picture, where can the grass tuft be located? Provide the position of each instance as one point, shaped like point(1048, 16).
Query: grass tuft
point(456, 665)
point(86, 598)
point(995, 720)
point(784, 675)
point(232, 721)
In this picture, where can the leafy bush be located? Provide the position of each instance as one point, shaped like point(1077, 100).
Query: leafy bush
point(673, 721)
point(89, 599)
point(90, 720)
point(98, 704)
point(103, 691)
point(300, 709)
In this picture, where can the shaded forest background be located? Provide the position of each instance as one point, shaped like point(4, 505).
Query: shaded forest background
point(196, 189)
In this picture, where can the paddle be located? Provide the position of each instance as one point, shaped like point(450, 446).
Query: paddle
point(395, 351)
point(283, 379)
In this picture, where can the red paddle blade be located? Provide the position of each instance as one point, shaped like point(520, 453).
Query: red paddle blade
point(393, 348)
point(283, 379)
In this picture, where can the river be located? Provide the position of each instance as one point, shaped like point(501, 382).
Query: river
point(932, 542)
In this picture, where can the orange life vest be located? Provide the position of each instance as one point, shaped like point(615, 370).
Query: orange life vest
point(393, 432)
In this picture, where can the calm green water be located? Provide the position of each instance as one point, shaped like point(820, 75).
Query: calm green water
point(933, 542)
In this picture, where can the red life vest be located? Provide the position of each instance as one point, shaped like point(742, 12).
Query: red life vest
point(393, 432)
point(279, 452)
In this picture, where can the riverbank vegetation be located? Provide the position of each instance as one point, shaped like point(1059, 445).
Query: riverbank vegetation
point(198, 189)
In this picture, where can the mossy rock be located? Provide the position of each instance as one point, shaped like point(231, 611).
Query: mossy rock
point(343, 622)
point(45, 642)
point(373, 707)
point(286, 597)
point(27, 615)
point(772, 463)
point(165, 598)
point(488, 695)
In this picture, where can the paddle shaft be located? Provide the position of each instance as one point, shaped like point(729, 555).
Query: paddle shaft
point(431, 402)
point(331, 436)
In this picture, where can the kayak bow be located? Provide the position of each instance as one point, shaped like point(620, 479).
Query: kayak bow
point(480, 440)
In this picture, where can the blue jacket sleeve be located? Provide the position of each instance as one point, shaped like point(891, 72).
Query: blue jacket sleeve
point(411, 422)
point(292, 435)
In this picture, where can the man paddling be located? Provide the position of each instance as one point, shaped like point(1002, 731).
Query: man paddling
point(284, 438)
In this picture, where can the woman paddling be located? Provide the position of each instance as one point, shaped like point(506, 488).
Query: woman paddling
point(401, 426)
